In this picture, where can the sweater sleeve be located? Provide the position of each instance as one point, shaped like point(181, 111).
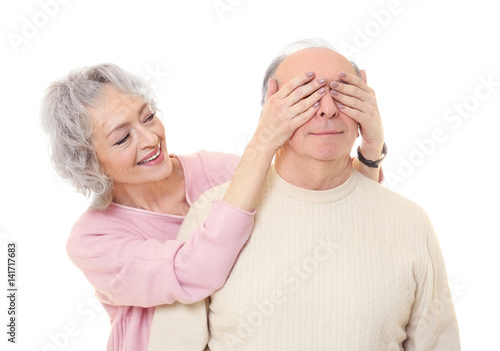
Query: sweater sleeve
point(127, 269)
point(432, 325)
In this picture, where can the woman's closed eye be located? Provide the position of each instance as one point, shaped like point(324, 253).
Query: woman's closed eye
point(126, 137)
point(122, 140)
point(150, 117)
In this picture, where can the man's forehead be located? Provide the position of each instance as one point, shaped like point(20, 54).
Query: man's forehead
point(322, 61)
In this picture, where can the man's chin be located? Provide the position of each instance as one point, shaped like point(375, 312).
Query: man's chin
point(328, 153)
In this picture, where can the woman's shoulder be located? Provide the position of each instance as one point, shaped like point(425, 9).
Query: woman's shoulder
point(210, 162)
point(206, 169)
point(100, 221)
point(121, 220)
point(92, 226)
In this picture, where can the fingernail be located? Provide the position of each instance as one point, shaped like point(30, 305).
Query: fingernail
point(321, 81)
point(341, 107)
point(321, 91)
point(310, 74)
point(316, 104)
point(334, 84)
point(334, 92)
point(343, 75)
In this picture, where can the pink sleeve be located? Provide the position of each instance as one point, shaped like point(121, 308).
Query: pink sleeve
point(130, 270)
point(205, 169)
point(219, 166)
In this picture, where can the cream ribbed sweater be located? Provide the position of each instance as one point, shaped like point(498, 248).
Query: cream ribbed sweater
point(357, 267)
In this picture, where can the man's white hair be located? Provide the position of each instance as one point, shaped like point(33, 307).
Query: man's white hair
point(289, 50)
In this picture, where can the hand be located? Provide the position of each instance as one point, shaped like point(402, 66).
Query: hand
point(287, 109)
point(357, 101)
point(283, 112)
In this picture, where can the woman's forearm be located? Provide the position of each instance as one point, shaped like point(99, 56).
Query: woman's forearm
point(370, 152)
point(249, 176)
point(372, 173)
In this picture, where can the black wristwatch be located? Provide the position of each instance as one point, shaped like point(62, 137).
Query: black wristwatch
point(372, 164)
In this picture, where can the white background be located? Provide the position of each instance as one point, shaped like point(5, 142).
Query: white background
point(424, 59)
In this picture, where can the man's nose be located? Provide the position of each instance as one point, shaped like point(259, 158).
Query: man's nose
point(327, 107)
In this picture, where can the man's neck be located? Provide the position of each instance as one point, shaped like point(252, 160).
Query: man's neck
point(313, 174)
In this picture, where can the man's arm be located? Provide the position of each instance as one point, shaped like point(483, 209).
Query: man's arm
point(432, 325)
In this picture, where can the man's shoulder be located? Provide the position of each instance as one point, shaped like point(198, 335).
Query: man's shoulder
point(380, 196)
point(200, 209)
point(215, 193)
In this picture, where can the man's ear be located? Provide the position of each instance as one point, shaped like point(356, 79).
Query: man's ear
point(272, 87)
point(362, 74)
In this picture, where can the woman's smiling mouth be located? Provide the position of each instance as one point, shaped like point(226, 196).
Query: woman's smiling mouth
point(151, 158)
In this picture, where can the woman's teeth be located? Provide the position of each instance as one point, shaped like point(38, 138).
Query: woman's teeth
point(155, 156)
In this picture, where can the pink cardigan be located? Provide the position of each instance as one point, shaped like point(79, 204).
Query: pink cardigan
point(133, 260)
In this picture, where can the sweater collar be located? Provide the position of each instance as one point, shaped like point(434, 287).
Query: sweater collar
point(313, 196)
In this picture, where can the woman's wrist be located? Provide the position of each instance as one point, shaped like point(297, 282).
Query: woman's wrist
point(249, 176)
point(259, 150)
point(371, 151)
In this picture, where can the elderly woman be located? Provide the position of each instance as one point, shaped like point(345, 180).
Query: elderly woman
point(107, 139)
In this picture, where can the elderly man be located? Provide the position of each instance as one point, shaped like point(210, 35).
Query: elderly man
point(335, 261)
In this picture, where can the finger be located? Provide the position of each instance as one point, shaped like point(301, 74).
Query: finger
point(356, 81)
point(352, 113)
point(306, 103)
point(305, 91)
point(294, 84)
point(272, 87)
point(353, 102)
point(362, 74)
point(304, 117)
point(349, 90)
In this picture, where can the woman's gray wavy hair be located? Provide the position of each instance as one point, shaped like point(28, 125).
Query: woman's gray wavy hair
point(66, 120)
point(289, 50)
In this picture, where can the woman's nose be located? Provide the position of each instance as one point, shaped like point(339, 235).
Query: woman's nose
point(147, 138)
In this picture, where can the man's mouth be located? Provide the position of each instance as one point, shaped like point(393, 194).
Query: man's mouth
point(332, 132)
point(151, 158)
